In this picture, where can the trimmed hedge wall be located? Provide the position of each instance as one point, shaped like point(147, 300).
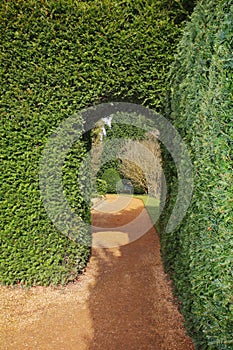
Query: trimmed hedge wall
point(199, 254)
point(58, 57)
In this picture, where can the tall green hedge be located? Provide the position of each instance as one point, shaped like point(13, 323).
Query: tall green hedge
point(58, 57)
point(199, 254)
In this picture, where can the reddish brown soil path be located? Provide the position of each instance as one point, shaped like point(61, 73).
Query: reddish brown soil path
point(122, 301)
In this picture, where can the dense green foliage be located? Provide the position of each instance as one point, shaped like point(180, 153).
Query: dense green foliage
point(101, 186)
point(200, 104)
point(112, 178)
point(58, 57)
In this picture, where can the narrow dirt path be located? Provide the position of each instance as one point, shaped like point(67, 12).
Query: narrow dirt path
point(122, 301)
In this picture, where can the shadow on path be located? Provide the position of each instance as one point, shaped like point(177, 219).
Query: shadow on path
point(122, 301)
point(131, 304)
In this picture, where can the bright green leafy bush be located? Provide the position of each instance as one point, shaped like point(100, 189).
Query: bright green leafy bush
point(101, 186)
point(199, 253)
point(112, 178)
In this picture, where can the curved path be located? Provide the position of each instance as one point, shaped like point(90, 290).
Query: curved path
point(122, 301)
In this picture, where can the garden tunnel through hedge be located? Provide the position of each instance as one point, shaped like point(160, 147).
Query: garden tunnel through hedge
point(59, 57)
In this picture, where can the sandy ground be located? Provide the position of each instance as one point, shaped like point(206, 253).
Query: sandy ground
point(122, 301)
